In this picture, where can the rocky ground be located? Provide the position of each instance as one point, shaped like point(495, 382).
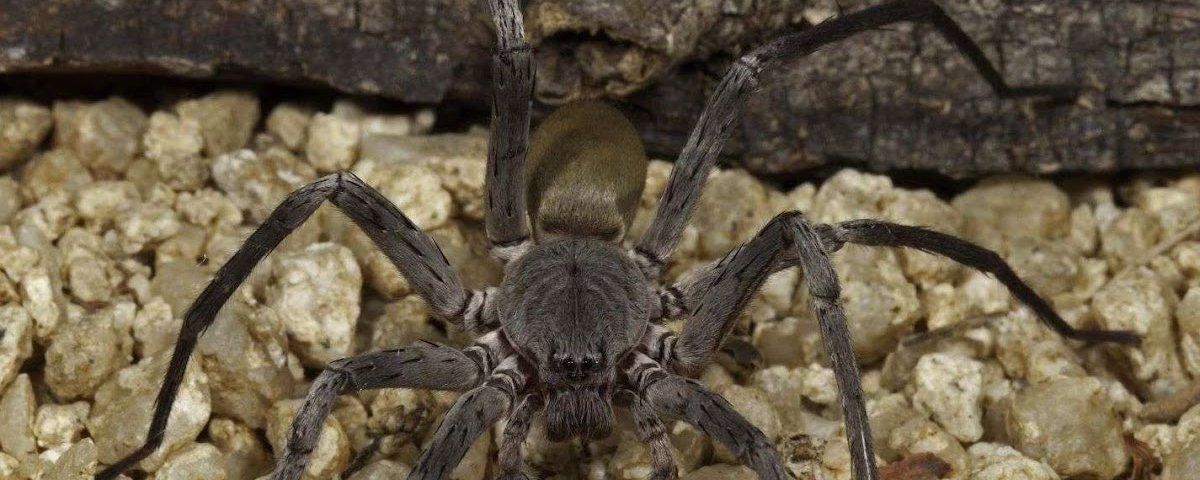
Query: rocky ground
point(112, 218)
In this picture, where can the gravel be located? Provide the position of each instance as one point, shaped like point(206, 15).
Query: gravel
point(109, 229)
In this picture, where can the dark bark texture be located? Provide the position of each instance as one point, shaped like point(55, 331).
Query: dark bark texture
point(891, 100)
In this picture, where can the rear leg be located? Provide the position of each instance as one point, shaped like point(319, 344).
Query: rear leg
point(886, 234)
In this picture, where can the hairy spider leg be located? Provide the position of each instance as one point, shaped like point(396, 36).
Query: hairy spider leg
point(420, 365)
point(724, 107)
point(512, 78)
point(412, 251)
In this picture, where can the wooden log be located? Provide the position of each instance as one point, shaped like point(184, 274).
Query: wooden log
point(900, 99)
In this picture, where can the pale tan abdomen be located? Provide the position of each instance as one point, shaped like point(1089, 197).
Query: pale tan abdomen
point(585, 172)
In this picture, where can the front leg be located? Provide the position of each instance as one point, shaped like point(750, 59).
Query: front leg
point(678, 397)
point(512, 72)
point(416, 256)
point(515, 431)
point(650, 429)
point(716, 294)
point(470, 416)
point(423, 365)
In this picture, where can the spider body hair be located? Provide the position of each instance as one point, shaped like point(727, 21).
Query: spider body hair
point(575, 307)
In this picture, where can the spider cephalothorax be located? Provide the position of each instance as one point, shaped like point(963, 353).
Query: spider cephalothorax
point(573, 331)
point(575, 307)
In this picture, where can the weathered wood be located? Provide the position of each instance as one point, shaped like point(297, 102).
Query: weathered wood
point(899, 99)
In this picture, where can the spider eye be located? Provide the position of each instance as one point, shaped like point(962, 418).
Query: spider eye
point(588, 364)
point(568, 364)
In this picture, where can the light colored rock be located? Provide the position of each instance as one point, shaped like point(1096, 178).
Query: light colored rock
point(57, 425)
point(226, 118)
point(404, 411)
point(289, 122)
point(207, 207)
point(186, 245)
point(259, 182)
point(402, 322)
point(333, 143)
point(754, 406)
point(786, 342)
point(721, 472)
point(851, 194)
point(733, 207)
point(352, 415)
point(1187, 313)
point(8, 466)
point(1049, 266)
point(474, 464)
point(174, 144)
point(1183, 464)
point(84, 354)
point(10, 199)
point(781, 385)
point(332, 452)
point(1128, 237)
point(887, 414)
point(50, 216)
point(245, 355)
point(91, 276)
point(1002, 208)
point(1068, 423)
point(104, 135)
point(178, 283)
point(123, 406)
point(819, 385)
point(38, 297)
point(317, 290)
point(414, 189)
point(543, 455)
point(468, 250)
point(631, 461)
point(16, 425)
point(1084, 236)
point(691, 447)
point(463, 175)
point(924, 209)
point(143, 227)
point(23, 126)
point(990, 461)
point(716, 377)
point(418, 193)
point(919, 435)
point(1141, 303)
point(881, 305)
point(1187, 256)
point(198, 461)
point(57, 170)
point(802, 456)
point(382, 470)
point(243, 454)
point(101, 203)
point(16, 341)
point(948, 387)
point(1173, 208)
point(76, 463)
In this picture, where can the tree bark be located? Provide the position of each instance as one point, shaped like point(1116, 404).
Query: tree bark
point(900, 99)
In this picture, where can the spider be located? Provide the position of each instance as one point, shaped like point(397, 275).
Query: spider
point(575, 327)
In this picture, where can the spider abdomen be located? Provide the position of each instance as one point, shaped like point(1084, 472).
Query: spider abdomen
point(585, 172)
